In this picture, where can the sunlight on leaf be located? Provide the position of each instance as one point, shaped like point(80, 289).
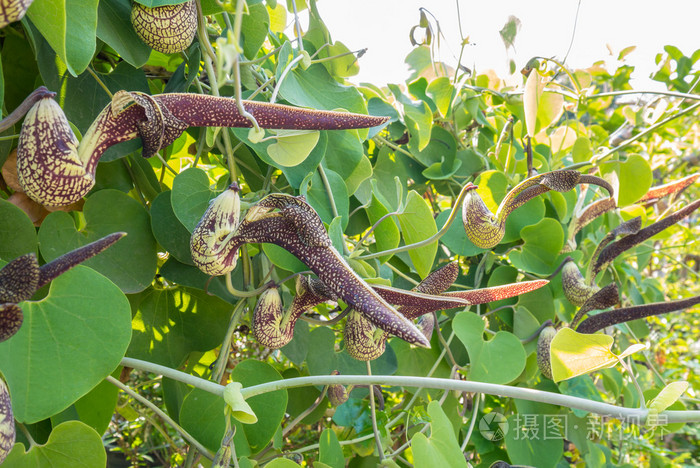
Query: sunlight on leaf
point(292, 147)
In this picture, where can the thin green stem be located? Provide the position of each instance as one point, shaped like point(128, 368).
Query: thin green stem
point(627, 414)
point(204, 38)
point(597, 159)
point(476, 400)
point(144, 401)
point(434, 238)
point(239, 293)
point(694, 97)
point(286, 71)
point(222, 360)
point(401, 274)
point(9, 137)
point(28, 435)
point(305, 413)
point(373, 412)
point(100, 82)
point(640, 392)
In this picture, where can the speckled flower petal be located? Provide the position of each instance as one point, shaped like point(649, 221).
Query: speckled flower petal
point(19, 279)
point(11, 318)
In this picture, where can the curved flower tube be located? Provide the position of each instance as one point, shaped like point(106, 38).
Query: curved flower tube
point(297, 228)
point(55, 170)
point(486, 230)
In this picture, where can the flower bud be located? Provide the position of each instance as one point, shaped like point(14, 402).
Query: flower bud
point(337, 393)
point(575, 288)
point(168, 29)
point(363, 340)
point(11, 11)
point(211, 251)
point(543, 354)
point(267, 320)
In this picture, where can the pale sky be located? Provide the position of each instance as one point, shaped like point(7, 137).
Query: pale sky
point(383, 27)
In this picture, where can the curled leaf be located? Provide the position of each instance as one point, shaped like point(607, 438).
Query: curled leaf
point(240, 409)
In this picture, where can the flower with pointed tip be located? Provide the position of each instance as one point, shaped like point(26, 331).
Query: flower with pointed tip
point(486, 229)
point(544, 342)
point(210, 250)
point(55, 170)
point(23, 276)
point(574, 284)
point(267, 319)
point(294, 225)
point(168, 29)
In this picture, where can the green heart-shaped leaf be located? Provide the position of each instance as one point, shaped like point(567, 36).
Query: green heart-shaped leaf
point(170, 233)
point(292, 146)
point(441, 449)
point(191, 196)
point(574, 353)
point(504, 348)
point(71, 444)
point(540, 252)
point(69, 27)
point(69, 342)
point(169, 324)
point(131, 263)
point(17, 233)
point(417, 224)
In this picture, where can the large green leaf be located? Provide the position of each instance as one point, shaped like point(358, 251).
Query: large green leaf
point(345, 155)
point(634, 176)
point(69, 27)
point(441, 449)
point(330, 452)
point(190, 197)
point(254, 28)
point(417, 224)
point(540, 252)
point(69, 342)
point(573, 354)
point(269, 406)
point(17, 233)
point(169, 324)
point(114, 28)
point(170, 233)
point(454, 238)
point(486, 357)
point(316, 194)
point(316, 89)
point(130, 263)
point(530, 448)
point(291, 147)
point(202, 415)
point(70, 445)
point(322, 359)
point(386, 234)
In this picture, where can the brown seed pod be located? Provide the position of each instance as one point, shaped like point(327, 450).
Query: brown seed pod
point(11, 11)
point(543, 354)
point(168, 29)
point(337, 393)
